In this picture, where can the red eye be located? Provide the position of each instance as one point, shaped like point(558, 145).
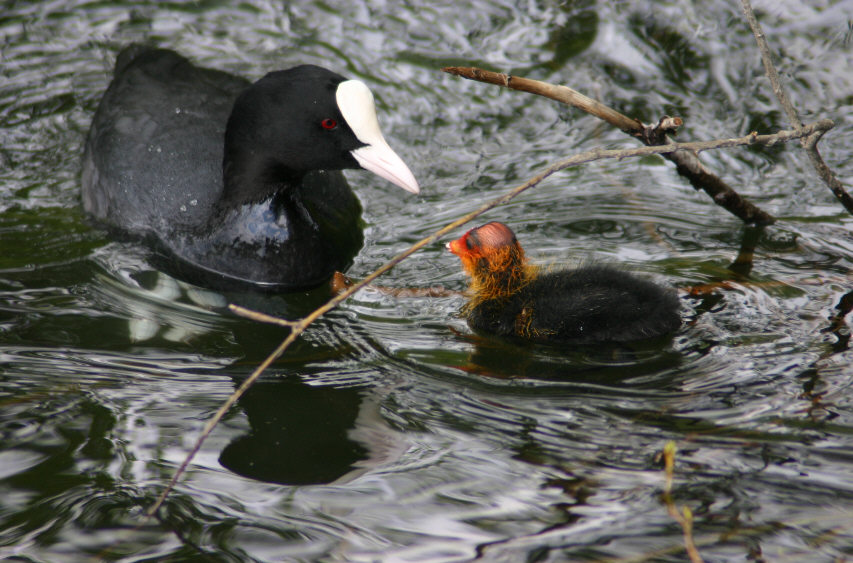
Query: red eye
point(329, 124)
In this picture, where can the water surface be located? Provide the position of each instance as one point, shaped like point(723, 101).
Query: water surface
point(390, 431)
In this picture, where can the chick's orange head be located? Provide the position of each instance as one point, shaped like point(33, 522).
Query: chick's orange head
point(482, 242)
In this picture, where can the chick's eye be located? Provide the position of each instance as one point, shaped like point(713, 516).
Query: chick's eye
point(329, 124)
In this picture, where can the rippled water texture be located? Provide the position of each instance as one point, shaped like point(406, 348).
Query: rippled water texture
point(390, 431)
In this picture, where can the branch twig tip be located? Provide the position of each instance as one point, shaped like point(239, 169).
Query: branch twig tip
point(261, 317)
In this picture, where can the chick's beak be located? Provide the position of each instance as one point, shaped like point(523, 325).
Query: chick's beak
point(453, 246)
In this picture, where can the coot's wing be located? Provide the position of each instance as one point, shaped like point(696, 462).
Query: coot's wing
point(153, 157)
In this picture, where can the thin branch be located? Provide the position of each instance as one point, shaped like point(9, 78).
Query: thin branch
point(298, 327)
point(340, 282)
point(260, 317)
point(559, 93)
point(769, 68)
point(810, 144)
point(687, 164)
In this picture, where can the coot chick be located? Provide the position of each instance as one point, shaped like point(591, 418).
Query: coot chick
point(234, 184)
point(591, 304)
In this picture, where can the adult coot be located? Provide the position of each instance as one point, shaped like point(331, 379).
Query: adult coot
point(235, 183)
point(592, 304)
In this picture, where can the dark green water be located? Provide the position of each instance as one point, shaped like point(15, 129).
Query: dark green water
point(390, 432)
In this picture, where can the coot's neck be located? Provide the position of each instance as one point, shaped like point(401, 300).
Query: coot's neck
point(501, 274)
point(250, 178)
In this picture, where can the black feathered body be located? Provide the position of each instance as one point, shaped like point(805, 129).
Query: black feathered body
point(153, 170)
point(595, 303)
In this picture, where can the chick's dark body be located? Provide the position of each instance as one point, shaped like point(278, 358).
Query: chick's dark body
point(590, 304)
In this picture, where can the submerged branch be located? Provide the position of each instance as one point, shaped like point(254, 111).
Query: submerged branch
point(687, 163)
point(685, 517)
point(298, 327)
point(810, 143)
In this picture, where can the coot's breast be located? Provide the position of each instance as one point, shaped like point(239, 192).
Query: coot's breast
point(153, 158)
point(294, 240)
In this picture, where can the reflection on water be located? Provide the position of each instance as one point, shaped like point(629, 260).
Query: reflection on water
point(389, 431)
point(606, 364)
point(302, 435)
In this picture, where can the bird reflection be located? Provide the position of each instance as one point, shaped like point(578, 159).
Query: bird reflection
point(304, 435)
point(500, 358)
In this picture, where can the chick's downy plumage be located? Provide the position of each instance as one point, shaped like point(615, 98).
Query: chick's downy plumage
point(590, 304)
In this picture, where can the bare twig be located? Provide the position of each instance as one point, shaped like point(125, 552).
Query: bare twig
point(687, 163)
point(298, 327)
point(340, 282)
point(562, 94)
point(769, 68)
point(809, 143)
point(260, 317)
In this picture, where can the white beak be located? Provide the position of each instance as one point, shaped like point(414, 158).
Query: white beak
point(384, 162)
point(356, 104)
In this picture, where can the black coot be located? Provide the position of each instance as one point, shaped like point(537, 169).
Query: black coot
point(234, 183)
point(591, 304)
